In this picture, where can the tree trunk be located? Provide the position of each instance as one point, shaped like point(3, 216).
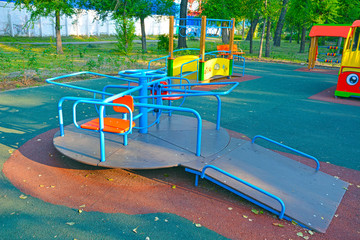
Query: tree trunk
point(225, 34)
point(253, 26)
point(262, 38)
point(243, 30)
point(298, 36)
point(280, 24)
point(302, 45)
point(251, 36)
point(339, 45)
point(291, 34)
point(143, 35)
point(59, 48)
point(268, 34)
point(182, 30)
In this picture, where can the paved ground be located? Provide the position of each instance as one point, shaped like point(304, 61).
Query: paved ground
point(71, 43)
point(276, 105)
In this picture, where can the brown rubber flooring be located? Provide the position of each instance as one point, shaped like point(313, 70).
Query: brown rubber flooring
point(37, 169)
point(319, 70)
point(328, 96)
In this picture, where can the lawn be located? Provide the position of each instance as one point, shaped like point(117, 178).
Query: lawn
point(24, 65)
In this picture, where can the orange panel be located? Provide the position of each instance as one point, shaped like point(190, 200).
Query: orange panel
point(113, 125)
point(126, 100)
point(329, 31)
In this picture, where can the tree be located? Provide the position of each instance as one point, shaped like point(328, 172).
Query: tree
point(251, 10)
point(280, 23)
point(43, 8)
point(182, 30)
point(303, 13)
point(222, 9)
point(145, 8)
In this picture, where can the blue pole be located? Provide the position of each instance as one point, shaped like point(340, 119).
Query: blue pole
point(143, 120)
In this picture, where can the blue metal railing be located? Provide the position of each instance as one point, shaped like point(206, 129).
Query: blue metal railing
point(282, 212)
point(189, 73)
point(289, 148)
point(158, 59)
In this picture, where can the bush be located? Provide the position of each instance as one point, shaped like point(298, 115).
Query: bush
point(125, 34)
point(163, 43)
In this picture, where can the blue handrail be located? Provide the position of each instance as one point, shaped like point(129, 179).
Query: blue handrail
point(282, 212)
point(53, 81)
point(157, 59)
point(197, 67)
point(289, 148)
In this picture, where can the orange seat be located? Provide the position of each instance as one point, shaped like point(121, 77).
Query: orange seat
point(226, 47)
point(168, 97)
point(114, 125)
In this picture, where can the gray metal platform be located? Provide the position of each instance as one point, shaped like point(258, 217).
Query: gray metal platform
point(167, 144)
point(311, 198)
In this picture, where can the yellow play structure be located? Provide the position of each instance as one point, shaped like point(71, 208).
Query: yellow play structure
point(205, 69)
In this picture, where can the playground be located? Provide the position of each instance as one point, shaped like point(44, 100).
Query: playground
point(70, 200)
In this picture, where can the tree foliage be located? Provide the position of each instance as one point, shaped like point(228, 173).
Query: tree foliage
point(46, 8)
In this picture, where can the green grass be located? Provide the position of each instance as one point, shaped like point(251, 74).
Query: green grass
point(25, 64)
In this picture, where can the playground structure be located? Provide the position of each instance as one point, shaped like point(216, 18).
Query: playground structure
point(153, 137)
point(325, 30)
point(204, 68)
point(349, 74)
point(135, 129)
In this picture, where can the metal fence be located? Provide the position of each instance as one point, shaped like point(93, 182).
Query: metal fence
point(13, 23)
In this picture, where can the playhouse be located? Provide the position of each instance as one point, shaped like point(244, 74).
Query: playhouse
point(206, 65)
point(325, 30)
point(349, 74)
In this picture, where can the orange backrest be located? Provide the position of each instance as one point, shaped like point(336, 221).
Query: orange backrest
point(226, 47)
point(126, 100)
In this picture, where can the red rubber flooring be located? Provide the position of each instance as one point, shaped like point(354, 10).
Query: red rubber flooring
point(37, 169)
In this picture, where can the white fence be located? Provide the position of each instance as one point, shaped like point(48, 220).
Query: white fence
point(12, 23)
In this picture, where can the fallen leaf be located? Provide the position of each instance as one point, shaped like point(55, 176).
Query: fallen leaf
point(38, 140)
point(255, 211)
point(135, 229)
point(52, 186)
point(345, 188)
point(156, 219)
point(197, 225)
point(336, 177)
point(82, 206)
point(245, 216)
point(306, 237)
point(70, 223)
point(230, 208)
point(166, 220)
point(147, 238)
point(80, 211)
point(311, 232)
point(336, 215)
point(166, 175)
point(358, 186)
point(22, 196)
point(250, 220)
point(278, 224)
point(41, 185)
point(261, 212)
point(173, 186)
point(110, 179)
point(300, 234)
point(11, 151)
point(350, 184)
point(322, 218)
point(294, 223)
